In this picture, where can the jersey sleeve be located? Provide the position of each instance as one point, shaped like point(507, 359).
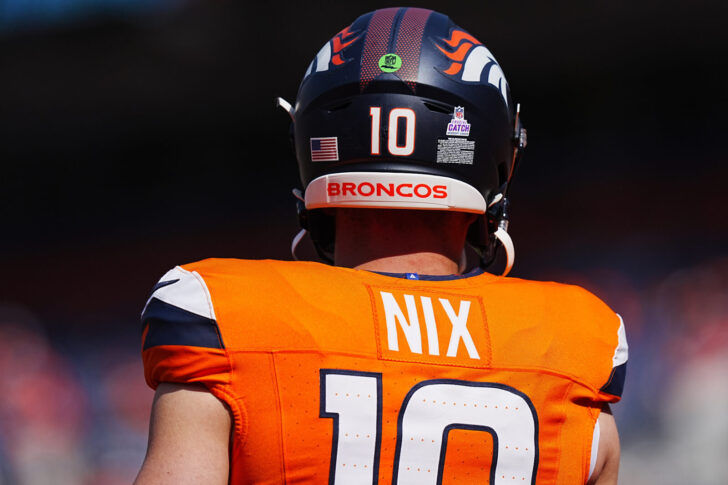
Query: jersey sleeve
point(593, 342)
point(612, 389)
point(181, 340)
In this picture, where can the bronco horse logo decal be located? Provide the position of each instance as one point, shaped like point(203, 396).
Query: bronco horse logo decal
point(331, 52)
point(470, 58)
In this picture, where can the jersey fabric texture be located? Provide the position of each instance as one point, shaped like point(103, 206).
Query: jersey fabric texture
point(336, 375)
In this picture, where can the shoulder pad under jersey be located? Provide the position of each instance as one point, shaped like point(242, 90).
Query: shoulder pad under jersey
point(180, 312)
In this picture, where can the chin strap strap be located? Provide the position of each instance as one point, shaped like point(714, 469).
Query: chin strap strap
point(463, 263)
point(507, 243)
point(296, 241)
point(500, 204)
point(298, 194)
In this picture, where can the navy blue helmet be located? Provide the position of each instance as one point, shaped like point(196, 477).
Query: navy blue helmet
point(405, 109)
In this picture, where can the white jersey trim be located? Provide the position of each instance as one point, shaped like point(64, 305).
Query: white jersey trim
point(621, 353)
point(189, 292)
point(594, 449)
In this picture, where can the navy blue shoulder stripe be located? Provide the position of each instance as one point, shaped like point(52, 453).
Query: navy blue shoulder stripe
point(170, 325)
point(615, 384)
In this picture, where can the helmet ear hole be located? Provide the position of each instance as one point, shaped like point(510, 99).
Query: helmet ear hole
point(339, 105)
point(438, 107)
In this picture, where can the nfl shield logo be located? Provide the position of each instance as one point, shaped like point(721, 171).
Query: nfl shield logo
point(459, 113)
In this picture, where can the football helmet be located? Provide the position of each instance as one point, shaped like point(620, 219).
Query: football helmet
point(404, 109)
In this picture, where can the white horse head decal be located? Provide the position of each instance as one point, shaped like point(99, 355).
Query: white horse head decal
point(470, 59)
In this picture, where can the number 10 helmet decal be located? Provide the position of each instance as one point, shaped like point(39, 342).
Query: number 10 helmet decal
point(403, 109)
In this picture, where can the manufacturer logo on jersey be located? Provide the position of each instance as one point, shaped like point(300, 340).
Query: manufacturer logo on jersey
point(458, 126)
point(424, 326)
point(472, 62)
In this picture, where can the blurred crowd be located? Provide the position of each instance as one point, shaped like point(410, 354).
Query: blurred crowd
point(76, 411)
point(73, 413)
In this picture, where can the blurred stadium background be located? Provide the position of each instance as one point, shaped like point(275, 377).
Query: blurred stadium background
point(140, 134)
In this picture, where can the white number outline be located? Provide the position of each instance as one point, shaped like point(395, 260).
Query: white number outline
point(446, 431)
point(323, 373)
point(400, 425)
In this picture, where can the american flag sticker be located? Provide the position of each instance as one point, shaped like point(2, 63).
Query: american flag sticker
point(325, 149)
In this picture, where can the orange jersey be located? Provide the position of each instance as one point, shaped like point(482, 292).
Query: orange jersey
point(342, 376)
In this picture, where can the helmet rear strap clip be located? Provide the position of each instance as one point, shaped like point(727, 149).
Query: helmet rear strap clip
point(282, 103)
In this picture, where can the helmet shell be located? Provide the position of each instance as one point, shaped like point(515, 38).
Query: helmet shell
point(404, 91)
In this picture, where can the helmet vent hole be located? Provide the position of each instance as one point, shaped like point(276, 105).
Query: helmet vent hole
point(438, 107)
point(338, 106)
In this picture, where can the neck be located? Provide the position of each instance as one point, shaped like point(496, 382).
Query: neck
point(421, 262)
point(400, 241)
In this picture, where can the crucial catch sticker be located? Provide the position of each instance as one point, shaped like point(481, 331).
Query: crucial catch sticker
point(458, 126)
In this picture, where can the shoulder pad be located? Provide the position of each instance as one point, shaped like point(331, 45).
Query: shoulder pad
point(183, 289)
point(615, 383)
point(180, 312)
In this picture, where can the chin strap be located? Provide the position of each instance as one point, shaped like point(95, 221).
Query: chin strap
point(498, 209)
point(507, 243)
point(463, 263)
point(298, 194)
point(296, 241)
point(306, 220)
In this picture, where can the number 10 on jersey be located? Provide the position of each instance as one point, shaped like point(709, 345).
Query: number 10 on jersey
point(430, 411)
